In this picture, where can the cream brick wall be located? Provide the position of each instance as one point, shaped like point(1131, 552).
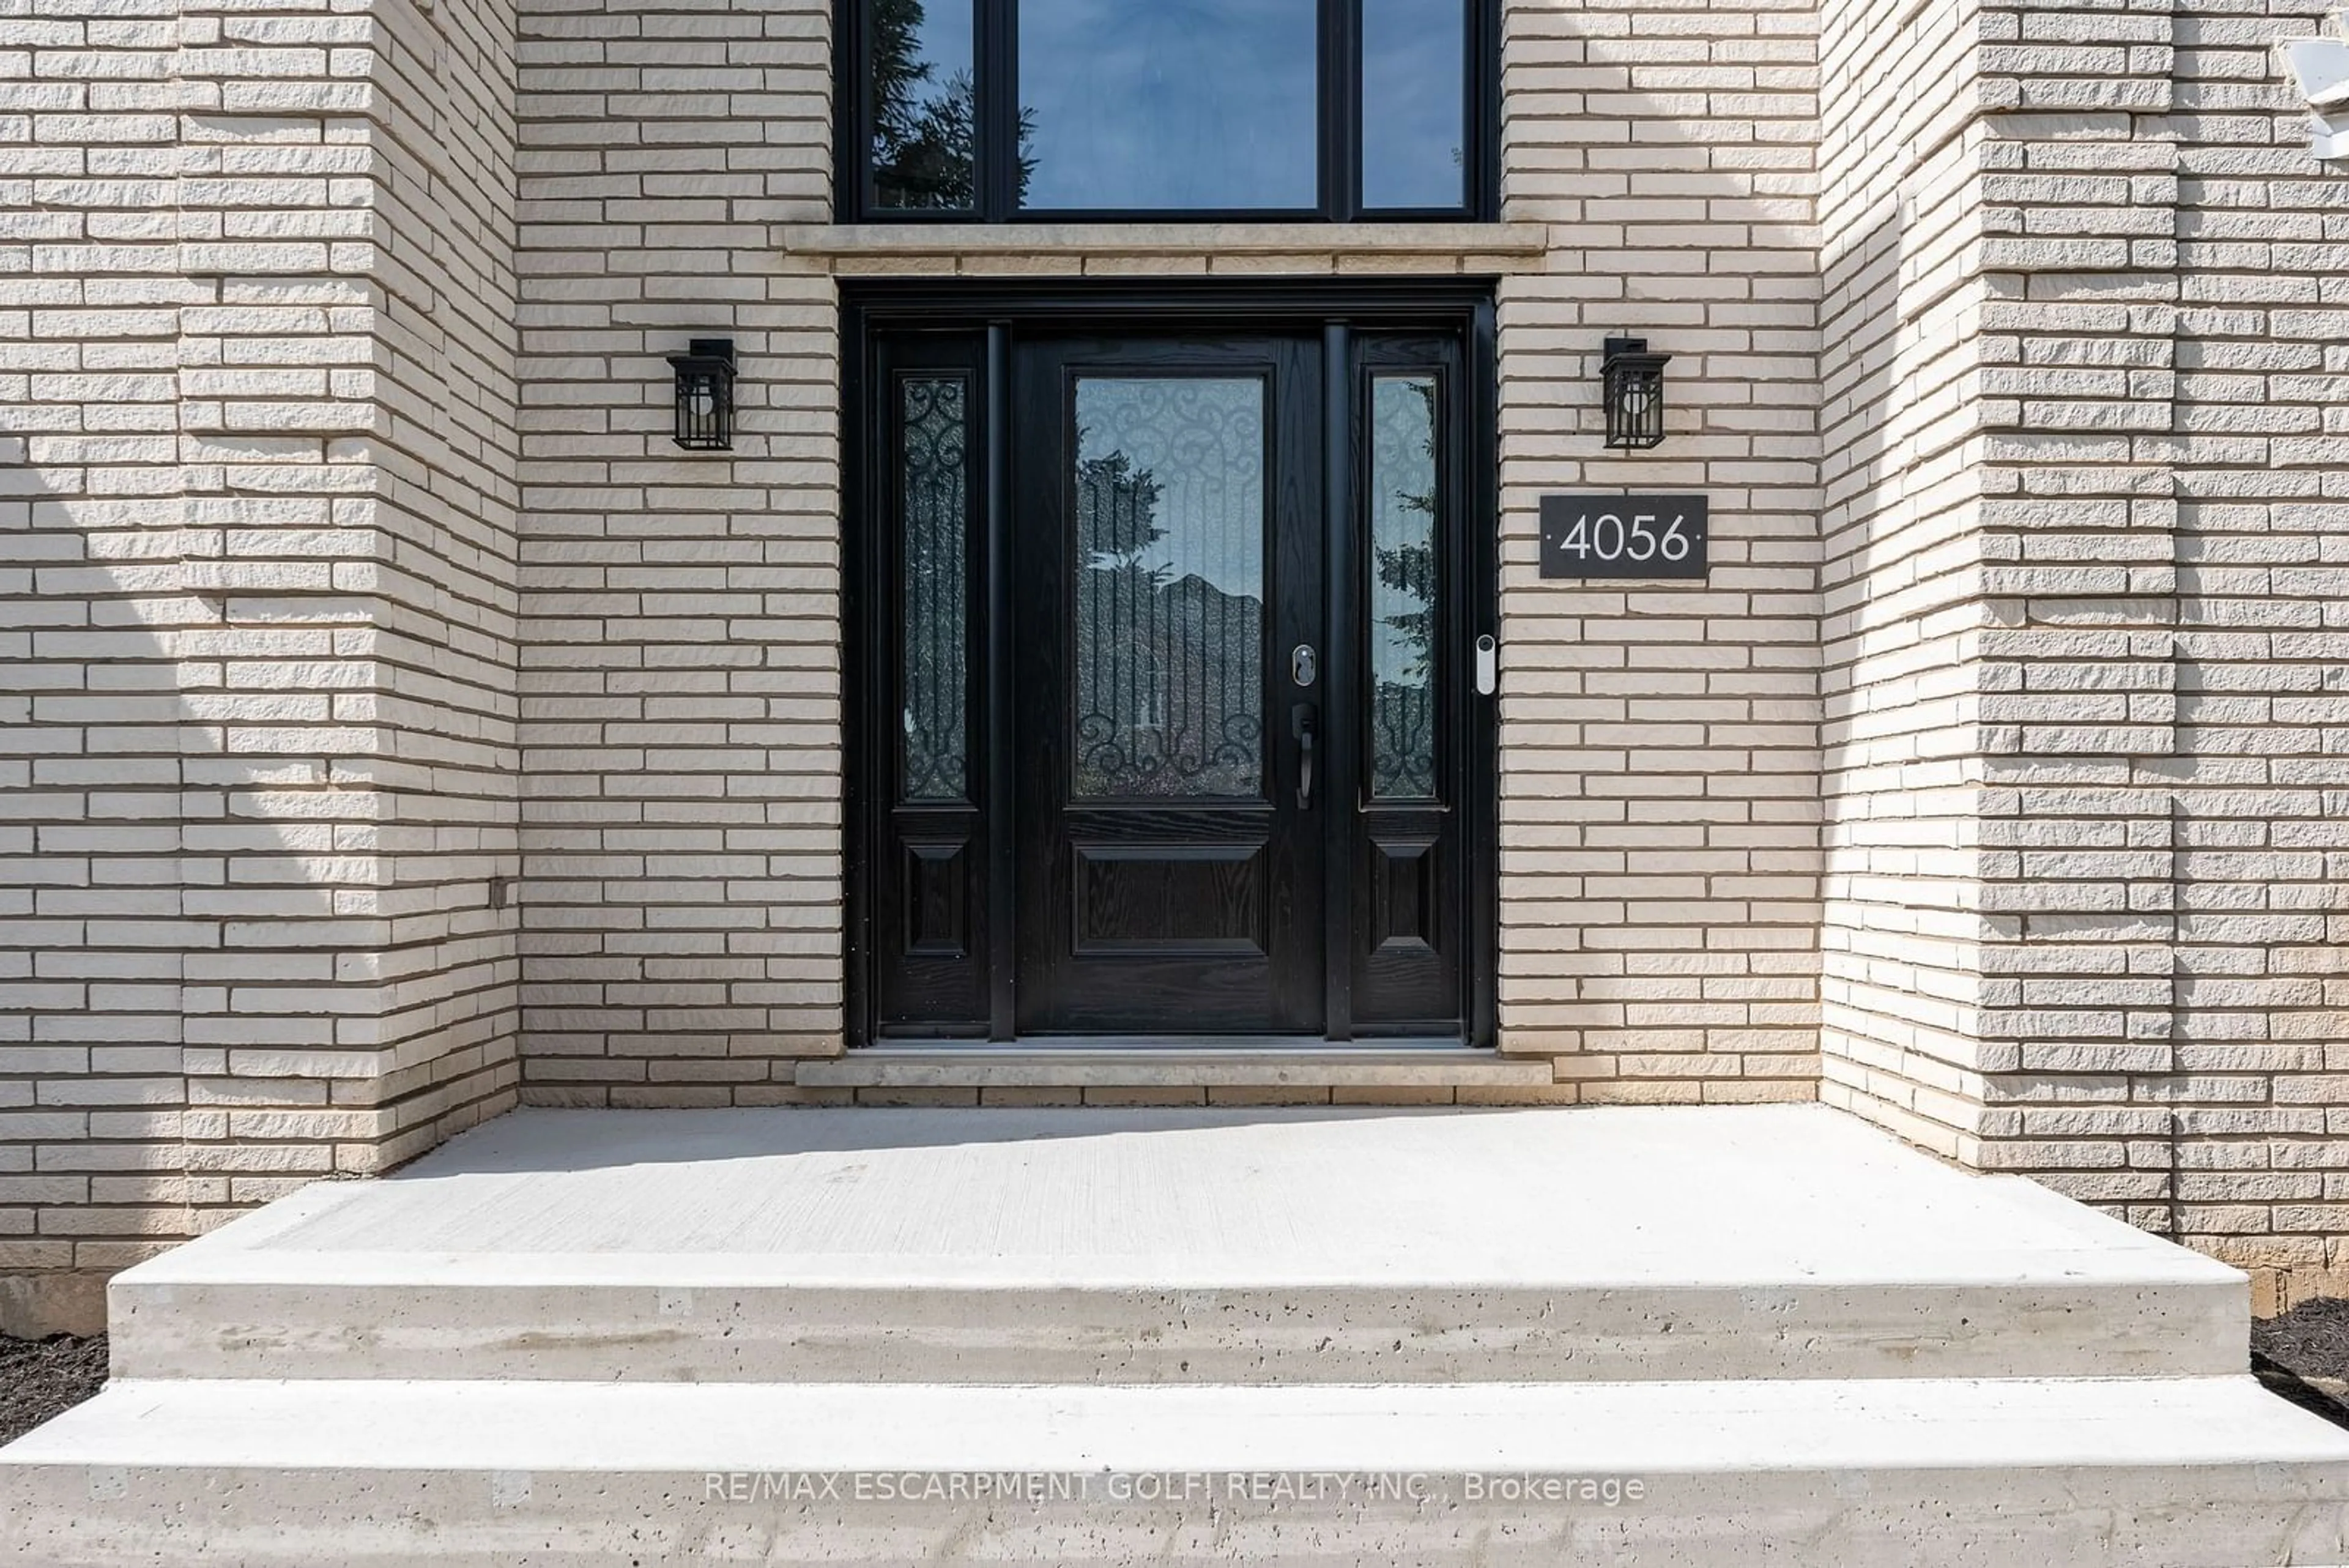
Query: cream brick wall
point(256, 466)
point(443, 581)
point(2083, 564)
point(680, 688)
point(2079, 737)
point(2259, 1047)
point(1988, 787)
point(2168, 779)
point(1660, 877)
point(1660, 820)
point(1901, 575)
point(93, 930)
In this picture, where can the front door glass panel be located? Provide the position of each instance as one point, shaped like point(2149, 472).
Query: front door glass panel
point(1169, 503)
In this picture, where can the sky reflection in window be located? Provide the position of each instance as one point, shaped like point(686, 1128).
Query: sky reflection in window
point(1169, 103)
point(1415, 103)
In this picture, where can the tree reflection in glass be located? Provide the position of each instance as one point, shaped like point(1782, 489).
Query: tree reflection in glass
point(926, 107)
point(1169, 635)
point(1403, 515)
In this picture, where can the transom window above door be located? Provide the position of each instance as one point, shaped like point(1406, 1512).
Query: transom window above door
point(995, 110)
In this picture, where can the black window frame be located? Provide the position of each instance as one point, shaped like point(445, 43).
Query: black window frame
point(1338, 123)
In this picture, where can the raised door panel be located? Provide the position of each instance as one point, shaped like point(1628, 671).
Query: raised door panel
point(1207, 900)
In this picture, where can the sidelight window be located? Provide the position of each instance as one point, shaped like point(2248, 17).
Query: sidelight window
point(1405, 505)
point(934, 506)
point(990, 110)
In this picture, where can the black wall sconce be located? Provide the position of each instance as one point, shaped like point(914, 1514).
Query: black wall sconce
point(705, 395)
point(1635, 392)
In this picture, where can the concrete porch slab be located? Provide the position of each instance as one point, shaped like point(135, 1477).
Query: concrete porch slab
point(1144, 1246)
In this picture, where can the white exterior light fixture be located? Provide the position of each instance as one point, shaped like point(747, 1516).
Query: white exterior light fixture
point(2321, 68)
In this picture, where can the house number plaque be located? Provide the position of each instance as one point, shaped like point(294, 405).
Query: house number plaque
point(1623, 536)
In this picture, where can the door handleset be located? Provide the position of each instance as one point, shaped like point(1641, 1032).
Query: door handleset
point(1300, 726)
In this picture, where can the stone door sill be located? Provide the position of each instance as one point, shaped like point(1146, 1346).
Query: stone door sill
point(1158, 1064)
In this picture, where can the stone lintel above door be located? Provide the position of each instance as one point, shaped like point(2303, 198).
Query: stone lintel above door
point(869, 250)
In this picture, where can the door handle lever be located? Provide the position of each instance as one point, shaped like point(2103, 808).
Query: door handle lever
point(1301, 725)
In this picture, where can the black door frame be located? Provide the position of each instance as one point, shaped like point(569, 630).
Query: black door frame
point(1331, 307)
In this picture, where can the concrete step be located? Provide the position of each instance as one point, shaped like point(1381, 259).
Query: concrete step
point(1916, 1473)
point(1102, 1246)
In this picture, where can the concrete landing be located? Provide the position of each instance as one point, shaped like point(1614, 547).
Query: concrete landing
point(1668, 1338)
point(1178, 1245)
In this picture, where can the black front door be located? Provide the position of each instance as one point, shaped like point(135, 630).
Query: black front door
point(1164, 670)
point(1167, 529)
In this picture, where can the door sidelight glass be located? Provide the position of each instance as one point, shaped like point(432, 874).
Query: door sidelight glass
point(1406, 516)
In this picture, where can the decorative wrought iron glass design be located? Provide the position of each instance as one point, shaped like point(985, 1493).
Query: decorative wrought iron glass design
point(1169, 492)
point(1405, 515)
point(934, 512)
point(705, 395)
point(1634, 382)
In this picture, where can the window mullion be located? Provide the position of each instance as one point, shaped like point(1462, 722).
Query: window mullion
point(1339, 72)
point(1481, 125)
point(852, 128)
point(999, 94)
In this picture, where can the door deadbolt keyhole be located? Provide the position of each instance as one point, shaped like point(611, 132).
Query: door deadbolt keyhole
point(1304, 664)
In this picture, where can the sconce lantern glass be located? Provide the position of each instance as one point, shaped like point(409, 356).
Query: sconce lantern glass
point(1635, 392)
point(705, 395)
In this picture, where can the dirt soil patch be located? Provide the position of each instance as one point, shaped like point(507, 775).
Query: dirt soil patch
point(41, 1377)
point(2305, 1356)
